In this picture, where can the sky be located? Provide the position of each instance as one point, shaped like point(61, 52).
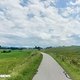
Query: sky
point(28, 23)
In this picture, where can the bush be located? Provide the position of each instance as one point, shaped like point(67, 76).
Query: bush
point(74, 62)
point(6, 51)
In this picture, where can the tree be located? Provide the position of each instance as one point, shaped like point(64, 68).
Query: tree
point(0, 46)
point(37, 47)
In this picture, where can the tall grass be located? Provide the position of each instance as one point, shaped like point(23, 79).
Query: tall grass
point(20, 64)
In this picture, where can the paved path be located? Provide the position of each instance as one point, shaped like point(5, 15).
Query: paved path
point(49, 69)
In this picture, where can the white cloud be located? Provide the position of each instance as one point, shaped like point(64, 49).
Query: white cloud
point(36, 24)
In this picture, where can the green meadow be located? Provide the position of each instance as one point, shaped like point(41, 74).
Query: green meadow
point(23, 64)
point(20, 64)
point(68, 58)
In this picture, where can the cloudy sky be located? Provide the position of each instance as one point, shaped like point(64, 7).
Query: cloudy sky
point(39, 22)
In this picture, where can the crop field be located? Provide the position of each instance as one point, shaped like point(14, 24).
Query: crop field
point(19, 64)
point(68, 58)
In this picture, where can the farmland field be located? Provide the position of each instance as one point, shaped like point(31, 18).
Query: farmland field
point(68, 58)
point(20, 64)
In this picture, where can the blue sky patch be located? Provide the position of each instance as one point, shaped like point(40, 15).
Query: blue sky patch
point(30, 15)
point(24, 2)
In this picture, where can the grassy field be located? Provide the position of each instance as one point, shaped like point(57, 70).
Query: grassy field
point(68, 58)
point(20, 64)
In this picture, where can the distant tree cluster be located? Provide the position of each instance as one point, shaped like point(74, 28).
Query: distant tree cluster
point(38, 48)
point(12, 48)
point(49, 47)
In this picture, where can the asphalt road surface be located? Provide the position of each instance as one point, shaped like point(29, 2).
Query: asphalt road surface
point(49, 69)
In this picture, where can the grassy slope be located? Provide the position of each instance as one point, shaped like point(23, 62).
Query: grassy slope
point(68, 58)
point(21, 65)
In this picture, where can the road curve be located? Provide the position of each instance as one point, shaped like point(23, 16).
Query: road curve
point(49, 69)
